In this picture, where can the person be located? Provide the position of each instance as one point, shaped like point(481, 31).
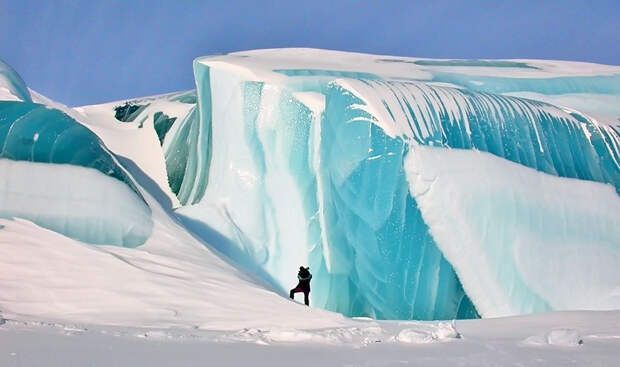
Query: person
point(304, 277)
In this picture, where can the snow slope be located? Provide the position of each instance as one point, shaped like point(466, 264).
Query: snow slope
point(173, 280)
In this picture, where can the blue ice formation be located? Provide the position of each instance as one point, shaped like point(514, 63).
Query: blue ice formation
point(306, 165)
point(532, 133)
point(414, 189)
point(58, 174)
point(13, 83)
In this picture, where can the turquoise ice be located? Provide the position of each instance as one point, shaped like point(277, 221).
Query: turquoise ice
point(12, 85)
point(58, 174)
point(414, 189)
point(307, 167)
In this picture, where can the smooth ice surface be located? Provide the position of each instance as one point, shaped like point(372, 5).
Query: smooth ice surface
point(521, 241)
point(36, 133)
point(78, 202)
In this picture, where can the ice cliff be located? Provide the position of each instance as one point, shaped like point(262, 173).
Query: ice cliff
point(414, 189)
point(312, 158)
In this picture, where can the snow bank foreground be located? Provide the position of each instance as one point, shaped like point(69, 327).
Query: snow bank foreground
point(553, 339)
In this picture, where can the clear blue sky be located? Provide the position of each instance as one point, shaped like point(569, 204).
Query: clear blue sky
point(84, 52)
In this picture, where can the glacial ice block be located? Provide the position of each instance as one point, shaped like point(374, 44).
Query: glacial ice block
point(291, 186)
point(298, 157)
point(58, 174)
point(305, 150)
point(521, 241)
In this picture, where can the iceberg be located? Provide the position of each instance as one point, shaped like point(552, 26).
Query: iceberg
point(413, 188)
point(306, 155)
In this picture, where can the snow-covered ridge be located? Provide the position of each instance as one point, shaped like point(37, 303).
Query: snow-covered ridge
point(255, 61)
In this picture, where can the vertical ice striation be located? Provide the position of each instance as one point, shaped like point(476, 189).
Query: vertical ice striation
point(292, 182)
point(489, 222)
point(414, 189)
point(532, 133)
point(302, 161)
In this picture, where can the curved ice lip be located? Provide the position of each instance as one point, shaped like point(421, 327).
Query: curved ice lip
point(13, 83)
point(535, 134)
point(33, 132)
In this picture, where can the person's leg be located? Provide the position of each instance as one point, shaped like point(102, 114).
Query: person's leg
point(295, 290)
point(306, 299)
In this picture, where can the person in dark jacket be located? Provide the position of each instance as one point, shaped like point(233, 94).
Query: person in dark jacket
point(304, 277)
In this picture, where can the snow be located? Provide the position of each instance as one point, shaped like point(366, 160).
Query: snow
point(261, 62)
point(171, 281)
point(561, 337)
point(493, 342)
point(7, 95)
point(428, 333)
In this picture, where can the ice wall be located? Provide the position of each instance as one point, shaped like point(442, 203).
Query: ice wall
point(175, 117)
point(510, 214)
point(414, 189)
point(291, 187)
point(302, 162)
point(58, 174)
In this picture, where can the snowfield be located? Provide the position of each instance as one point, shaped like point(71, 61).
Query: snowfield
point(553, 339)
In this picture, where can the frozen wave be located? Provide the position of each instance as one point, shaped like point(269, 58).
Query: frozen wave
point(59, 174)
point(305, 165)
point(298, 157)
